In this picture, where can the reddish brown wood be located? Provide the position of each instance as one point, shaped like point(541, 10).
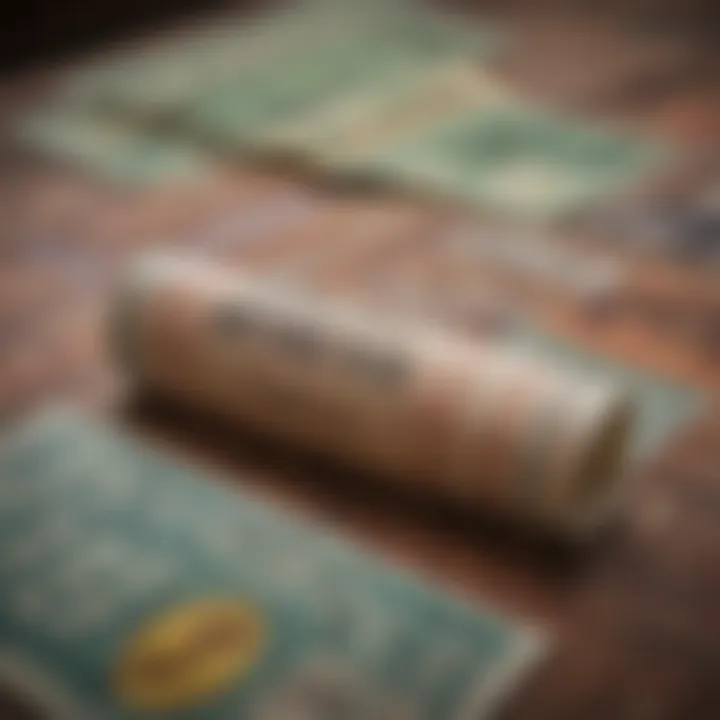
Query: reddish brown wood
point(637, 611)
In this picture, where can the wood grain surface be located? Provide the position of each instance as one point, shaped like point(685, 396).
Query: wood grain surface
point(637, 610)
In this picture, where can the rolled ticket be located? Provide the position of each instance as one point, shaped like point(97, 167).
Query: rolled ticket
point(469, 421)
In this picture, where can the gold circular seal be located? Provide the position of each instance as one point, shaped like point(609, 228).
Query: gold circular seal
point(188, 653)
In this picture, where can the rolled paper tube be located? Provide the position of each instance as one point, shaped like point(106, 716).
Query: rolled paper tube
point(470, 421)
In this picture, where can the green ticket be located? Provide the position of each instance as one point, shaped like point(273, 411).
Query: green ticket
point(266, 98)
point(517, 160)
point(164, 73)
point(226, 54)
point(340, 135)
point(236, 82)
point(116, 150)
point(136, 587)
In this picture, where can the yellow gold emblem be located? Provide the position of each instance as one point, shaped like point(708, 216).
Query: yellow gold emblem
point(188, 653)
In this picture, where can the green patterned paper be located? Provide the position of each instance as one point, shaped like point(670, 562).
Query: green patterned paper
point(345, 130)
point(117, 151)
point(144, 111)
point(261, 99)
point(224, 56)
point(134, 587)
point(169, 73)
point(515, 159)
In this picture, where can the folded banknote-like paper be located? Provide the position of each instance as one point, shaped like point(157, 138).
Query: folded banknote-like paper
point(516, 159)
point(231, 82)
point(313, 77)
point(115, 149)
point(344, 130)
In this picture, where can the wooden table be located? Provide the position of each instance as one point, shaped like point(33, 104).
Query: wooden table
point(637, 612)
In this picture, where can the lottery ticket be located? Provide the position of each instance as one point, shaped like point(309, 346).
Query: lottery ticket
point(115, 150)
point(354, 125)
point(135, 586)
point(516, 160)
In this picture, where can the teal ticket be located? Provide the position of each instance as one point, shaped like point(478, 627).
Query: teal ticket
point(518, 160)
point(115, 150)
point(135, 587)
point(330, 70)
